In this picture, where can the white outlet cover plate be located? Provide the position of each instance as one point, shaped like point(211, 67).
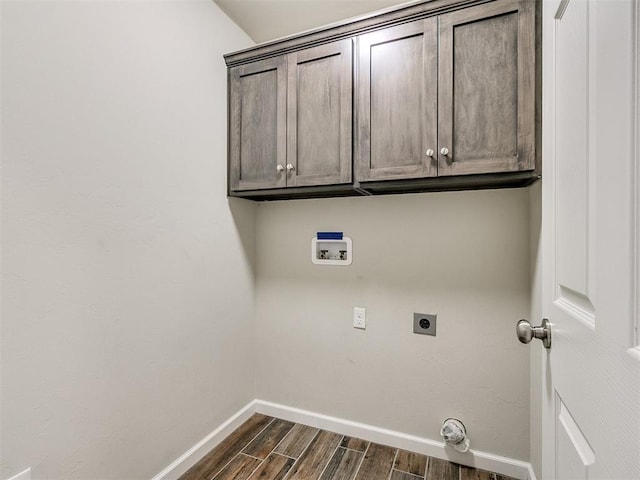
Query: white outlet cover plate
point(360, 317)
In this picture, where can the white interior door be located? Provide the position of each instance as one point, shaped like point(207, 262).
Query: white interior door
point(591, 389)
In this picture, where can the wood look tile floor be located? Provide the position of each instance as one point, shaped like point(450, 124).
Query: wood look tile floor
point(267, 448)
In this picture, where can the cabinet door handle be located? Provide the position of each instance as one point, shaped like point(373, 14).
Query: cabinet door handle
point(289, 167)
point(444, 151)
point(280, 168)
point(430, 152)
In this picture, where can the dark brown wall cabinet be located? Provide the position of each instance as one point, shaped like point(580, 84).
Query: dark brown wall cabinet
point(290, 119)
point(398, 102)
point(444, 101)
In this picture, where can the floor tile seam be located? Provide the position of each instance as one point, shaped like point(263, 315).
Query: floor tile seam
point(265, 460)
point(301, 455)
point(354, 450)
point(393, 464)
point(410, 473)
point(407, 473)
point(226, 465)
point(243, 447)
point(309, 443)
point(273, 419)
point(255, 469)
point(347, 450)
point(273, 450)
point(424, 475)
point(330, 458)
point(305, 447)
point(252, 456)
point(282, 455)
point(364, 454)
point(426, 467)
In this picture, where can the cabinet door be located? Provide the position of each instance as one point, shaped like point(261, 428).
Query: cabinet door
point(487, 89)
point(397, 102)
point(319, 115)
point(257, 129)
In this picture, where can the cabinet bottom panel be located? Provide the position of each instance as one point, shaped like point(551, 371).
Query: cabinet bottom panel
point(388, 187)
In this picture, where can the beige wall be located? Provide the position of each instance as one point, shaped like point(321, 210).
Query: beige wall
point(461, 255)
point(127, 289)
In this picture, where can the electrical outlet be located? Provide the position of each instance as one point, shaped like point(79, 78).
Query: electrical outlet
point(424, 323)
point(360, 317)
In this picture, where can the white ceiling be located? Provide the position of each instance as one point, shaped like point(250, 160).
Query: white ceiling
point(266, 20)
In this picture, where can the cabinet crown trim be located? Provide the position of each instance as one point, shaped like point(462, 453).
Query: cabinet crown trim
point(347, 28)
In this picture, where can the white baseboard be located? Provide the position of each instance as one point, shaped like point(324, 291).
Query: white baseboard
point(472, 458)
point(25, 475)
point(188, 459)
